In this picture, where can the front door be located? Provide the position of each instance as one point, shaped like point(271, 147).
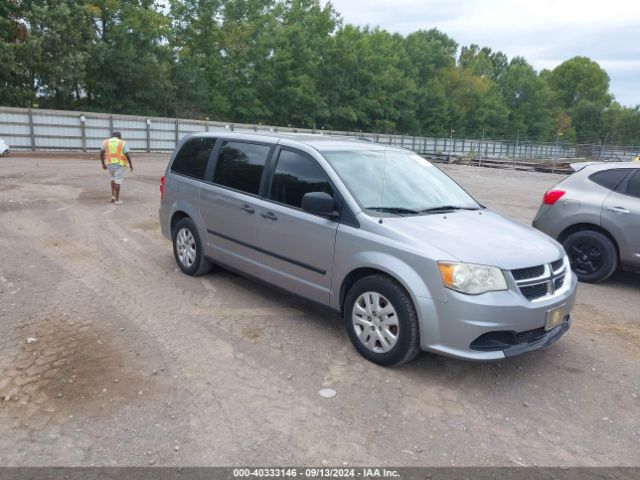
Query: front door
point(296, 247)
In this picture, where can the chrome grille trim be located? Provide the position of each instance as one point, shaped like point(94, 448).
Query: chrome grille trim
point(551, 283)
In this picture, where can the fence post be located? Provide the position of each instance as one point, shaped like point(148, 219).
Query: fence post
point(32, 134)
point(148, 122)
point(177, 131)
point(83, 132)
point(110, 124)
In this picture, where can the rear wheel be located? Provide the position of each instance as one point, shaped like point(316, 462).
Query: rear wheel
point(187, 249)
point(381, 321)
point(593, 255)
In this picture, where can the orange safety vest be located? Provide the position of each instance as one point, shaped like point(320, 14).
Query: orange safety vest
point(113, 148)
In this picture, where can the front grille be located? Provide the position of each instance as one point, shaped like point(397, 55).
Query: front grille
point(535, 291)
point(541, 280)
point(526, 273)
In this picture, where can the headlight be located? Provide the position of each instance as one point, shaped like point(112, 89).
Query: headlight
point(471, 279)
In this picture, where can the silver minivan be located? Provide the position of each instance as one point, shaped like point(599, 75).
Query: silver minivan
point(377, 233)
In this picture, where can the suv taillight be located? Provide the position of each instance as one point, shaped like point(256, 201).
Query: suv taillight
point(162, 188)
point(552, 196)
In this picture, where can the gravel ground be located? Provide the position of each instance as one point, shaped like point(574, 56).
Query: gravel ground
point(111, 356)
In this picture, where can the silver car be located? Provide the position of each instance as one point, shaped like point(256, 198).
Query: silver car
point(379, 234)
point(595, 214)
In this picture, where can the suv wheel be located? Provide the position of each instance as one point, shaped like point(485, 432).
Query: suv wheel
point(381, 321)
point(592, 255)
point(187, 249)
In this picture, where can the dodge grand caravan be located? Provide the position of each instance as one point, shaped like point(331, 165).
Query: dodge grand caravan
point(379, 234)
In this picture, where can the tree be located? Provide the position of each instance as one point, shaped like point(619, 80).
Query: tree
point(622, 124)
point(14, 80)
point(579, 79)
point(475, 104)
point(44, 48)
point(527, 97)
point(289, 81)
point(430, 51)
point(484, 62)
point(130, 60)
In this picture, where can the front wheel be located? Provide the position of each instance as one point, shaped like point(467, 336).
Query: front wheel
point(593, 256)
point(187, 249)
point(381, 321)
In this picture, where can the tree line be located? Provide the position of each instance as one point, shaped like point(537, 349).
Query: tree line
point(292, 62)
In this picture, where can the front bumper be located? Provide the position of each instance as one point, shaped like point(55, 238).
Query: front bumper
point(450, 327)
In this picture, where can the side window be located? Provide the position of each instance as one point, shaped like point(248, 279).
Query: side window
point(295, 175)
point(192, 158)
point(240, 166)
point(633, 186)
point(609, 178)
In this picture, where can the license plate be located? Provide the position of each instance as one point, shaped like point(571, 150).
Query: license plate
point(554, 317)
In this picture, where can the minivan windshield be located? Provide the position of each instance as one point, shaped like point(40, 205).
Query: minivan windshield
point(398, 182)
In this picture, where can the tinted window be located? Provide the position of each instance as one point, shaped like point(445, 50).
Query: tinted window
point(609, 178)
point(192, 158)
point(296, 175)
point(240, 166)
point(633, 187)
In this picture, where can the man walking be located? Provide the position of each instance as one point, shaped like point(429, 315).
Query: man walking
point(114, 157)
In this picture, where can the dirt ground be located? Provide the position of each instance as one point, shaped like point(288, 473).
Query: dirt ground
point(111, 356)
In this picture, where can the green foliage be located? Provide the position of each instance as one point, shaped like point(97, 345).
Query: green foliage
point(291, 62)
point(527, 97)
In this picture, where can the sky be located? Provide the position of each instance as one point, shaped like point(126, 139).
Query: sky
point(544, 32)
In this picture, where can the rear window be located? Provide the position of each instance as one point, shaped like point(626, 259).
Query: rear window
point(633, 187)
point(240, 166)
point(609, 178)
point(192, 158)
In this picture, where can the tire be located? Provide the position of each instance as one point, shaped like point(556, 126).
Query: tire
point(187, 249)
point(373, 338)
point(593, 255)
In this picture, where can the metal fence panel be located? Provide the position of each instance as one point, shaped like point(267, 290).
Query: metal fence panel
point(25, 129)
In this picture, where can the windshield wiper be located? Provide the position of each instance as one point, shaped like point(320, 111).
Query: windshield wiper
point(446, 208)
point(396, 210)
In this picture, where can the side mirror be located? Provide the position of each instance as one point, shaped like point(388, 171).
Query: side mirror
point(319, 203)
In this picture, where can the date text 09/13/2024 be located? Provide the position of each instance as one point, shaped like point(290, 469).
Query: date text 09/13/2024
point(292, 472)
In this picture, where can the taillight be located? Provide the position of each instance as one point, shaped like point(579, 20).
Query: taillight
point(552, 196)
point(162, 188)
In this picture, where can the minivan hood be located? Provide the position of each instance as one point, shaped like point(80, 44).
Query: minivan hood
point(478, 236)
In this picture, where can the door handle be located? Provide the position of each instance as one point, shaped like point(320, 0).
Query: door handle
point(247, 208)
point(620, 210)
point(269, 216)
